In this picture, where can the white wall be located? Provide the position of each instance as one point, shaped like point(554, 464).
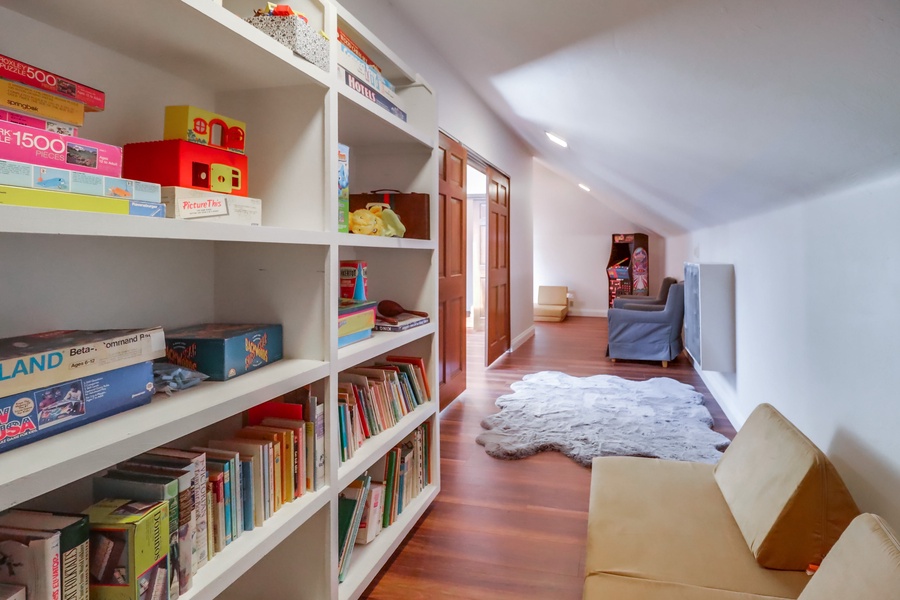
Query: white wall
point(465, 117)
point(572, 240)
point(818, 327)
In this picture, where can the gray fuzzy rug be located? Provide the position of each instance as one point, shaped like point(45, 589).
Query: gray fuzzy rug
point(602, 415)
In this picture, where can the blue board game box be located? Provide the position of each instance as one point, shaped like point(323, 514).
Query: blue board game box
point(224, 351)
point(30, 416)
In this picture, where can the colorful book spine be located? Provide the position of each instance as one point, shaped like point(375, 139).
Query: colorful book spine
point(247, 492)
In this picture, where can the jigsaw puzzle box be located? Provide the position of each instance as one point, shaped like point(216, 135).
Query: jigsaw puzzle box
point(224, 351)
point(65, 180)
point(49, 149)
point(39, 198)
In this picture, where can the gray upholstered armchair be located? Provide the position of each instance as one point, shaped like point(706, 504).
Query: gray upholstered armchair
point(648, 332)
point(660, 299)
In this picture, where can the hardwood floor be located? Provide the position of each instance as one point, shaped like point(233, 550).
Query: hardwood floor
point(512, 529)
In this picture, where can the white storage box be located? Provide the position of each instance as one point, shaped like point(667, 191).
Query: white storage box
point(296, 34)
point(199, 205)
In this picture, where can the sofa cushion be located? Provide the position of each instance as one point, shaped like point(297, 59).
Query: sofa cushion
point(553, 294)
point(602, 586)
point(864, 563)
point(787, 498)
point(550, 311)
point(667, 521)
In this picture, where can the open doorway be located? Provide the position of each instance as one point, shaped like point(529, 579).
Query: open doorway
point(473, 281)
point(476, 249)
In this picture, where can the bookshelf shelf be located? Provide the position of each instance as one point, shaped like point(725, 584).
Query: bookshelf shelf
point(379, 343)
point(237, 558)
point(42, 466)
point(79, 270)
point(18, 219)
point(366, 561)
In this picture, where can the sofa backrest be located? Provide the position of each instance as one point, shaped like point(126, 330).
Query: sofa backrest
point(785, 495)
point(553, 294)
point(865, 563)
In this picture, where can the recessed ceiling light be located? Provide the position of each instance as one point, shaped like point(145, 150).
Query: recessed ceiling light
point(557, 140)
point(584, 187)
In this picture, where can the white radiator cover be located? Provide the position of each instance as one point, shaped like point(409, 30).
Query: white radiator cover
point(709, 315)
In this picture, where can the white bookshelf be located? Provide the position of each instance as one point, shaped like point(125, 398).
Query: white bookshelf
point(76, 270)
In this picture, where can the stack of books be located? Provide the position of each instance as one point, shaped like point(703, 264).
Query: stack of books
point(363, 76)
point(46, 555)
point(374, 398)
point(214, 493)
point(356, 320)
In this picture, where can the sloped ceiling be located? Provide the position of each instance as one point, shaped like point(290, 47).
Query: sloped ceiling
point(699, 112)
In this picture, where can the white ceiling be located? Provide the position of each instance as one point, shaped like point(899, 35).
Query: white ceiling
point(698, 111)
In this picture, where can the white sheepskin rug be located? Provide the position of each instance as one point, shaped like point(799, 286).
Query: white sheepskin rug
point(602, 415)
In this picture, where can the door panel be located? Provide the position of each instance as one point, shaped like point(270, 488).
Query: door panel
point(497, 339)
point(452, 270)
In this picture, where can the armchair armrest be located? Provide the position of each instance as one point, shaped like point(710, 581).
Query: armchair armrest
point(643, 307)
point(627, 315)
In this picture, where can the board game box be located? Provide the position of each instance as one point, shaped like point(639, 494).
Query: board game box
point(28, 362)
point(129, 550)
point(26, 417)
point(224, 351)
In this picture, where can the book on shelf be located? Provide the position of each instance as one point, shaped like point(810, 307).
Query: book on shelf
point(247, 491)
point(227, 462)
point(276, 462)
point(259, 452)
point(315, 440)
point(298, 426)
point(181, 458)
point(352, 338)
point(221, 472)
point(74, 533)
point(274, 408)
point(282, 439)
point(370, 524)
point(355, 316)
point(351, 45)
point(421, 370)
point(351, 503)
point(404, 322)
point(354, 64)
point(73, 545)
point(218, 518)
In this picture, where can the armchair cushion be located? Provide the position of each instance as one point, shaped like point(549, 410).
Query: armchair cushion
point(786, 496)
point(660, 299)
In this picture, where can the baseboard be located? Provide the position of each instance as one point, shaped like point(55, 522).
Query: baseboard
point(521, 339)
point(588, 312)
point(724, 396)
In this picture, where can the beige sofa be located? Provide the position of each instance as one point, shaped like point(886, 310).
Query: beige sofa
point(745, 528)
point(552, 304)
